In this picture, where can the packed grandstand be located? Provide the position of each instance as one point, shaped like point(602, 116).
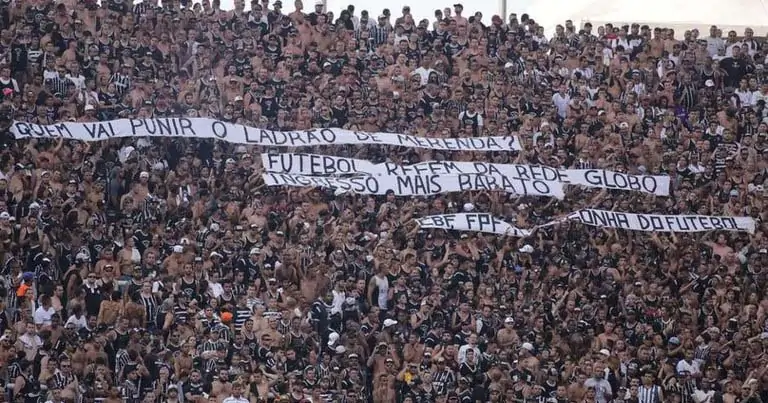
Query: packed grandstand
point(307, 205)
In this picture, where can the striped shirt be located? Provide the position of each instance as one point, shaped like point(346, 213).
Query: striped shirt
point(142, 8)
point(131, 392)
point(122, 83)
point(241, 316)
point(702, 352)
point(58, 84)
point(380, 34)
point(648, 394)
point(61, 380)
point(180, 314)
point(14, 371)
point(210, 345)
point(121, 361)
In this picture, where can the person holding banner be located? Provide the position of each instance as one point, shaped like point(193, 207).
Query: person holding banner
point(269, 205)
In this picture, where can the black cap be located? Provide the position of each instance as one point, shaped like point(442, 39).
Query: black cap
point(458, 5)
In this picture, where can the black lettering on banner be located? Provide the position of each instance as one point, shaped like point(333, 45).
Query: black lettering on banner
point(618, 180)
point(672, 223)
point(442, 221)
point(648, 183)
point(311, 139)
point(481, 222)
point(33, 130)
point(713, 223)
point(543, 173)
point(656, 223)
point(295, 138)
point(645, 223)
point(477, 182)
point(266, 137)
point(418, 185)
point(683, 223)
point(97, 131)
point(328, 136)
point(493, 144)
point(21, 129)
point(510, 185)
point(450, 167)
point(135, 125)
point(156, 127)
point(251, 135)
point(541, 187)
point(391, 169)
point(522, 172)
point(481, 167)
point(185, 125)
point(729, 223)
point(339, 165)
point(367, 138)
point(511, 143)
point(586, 217)
point(604, 218)
point(219, 129)
point(275, 159)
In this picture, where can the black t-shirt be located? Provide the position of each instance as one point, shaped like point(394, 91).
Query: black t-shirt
point(735, 69)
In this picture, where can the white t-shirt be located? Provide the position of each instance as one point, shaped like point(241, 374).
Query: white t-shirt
point(692, 367)
point(233, 399)
point(43, 316)
point(78, 322)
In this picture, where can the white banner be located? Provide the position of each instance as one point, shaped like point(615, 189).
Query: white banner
point(419, 185)
point(477, 222)
point(323, 165)
point(662, 223)
point(239, 134)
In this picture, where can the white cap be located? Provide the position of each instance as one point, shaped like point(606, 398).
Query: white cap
point(526, 249)
point(4, 215)
point(34, 205)
point(527, 346)
point(509, 319)
point(215, 227)
point(255, 251)
point(341, 349)
point(238, 98)
point(709, 83)
point(332, 339)
point(605, 352)
point(469, 207)
point(178, 249)
point(144, 174)
point(89, 107)
point(389, 322)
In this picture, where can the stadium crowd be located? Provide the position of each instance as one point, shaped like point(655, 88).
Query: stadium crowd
point(163, 270)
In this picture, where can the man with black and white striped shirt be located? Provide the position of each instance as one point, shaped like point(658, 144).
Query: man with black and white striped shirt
point(57, 81)
point(64, 378)
point(380, 33)
point(122, 80)
point(142, 8)
point(649, 392)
